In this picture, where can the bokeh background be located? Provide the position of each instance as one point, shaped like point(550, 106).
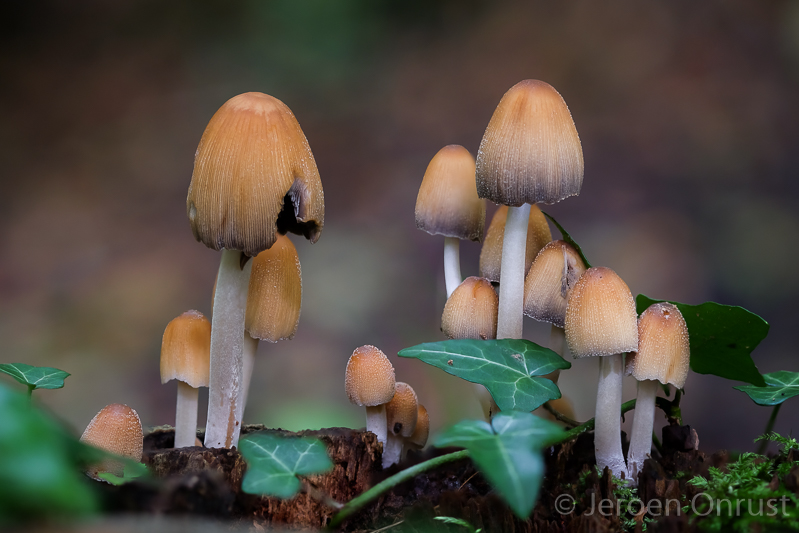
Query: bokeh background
point(688, 114)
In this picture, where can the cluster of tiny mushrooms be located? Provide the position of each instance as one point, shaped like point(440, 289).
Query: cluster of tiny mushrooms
point(255, 179)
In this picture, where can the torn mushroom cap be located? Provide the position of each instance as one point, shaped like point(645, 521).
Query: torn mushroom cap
point(369, 378)
point(600, 315)
point(275, 293)
point(471, 311)
point(254, 176)
point(555, 270)
point(186, 349)
point(663, 347)
point(447, 203)
point(530, 151)
point(538, 235)
point(115, 429)
point(402, 411)
point(419, 436)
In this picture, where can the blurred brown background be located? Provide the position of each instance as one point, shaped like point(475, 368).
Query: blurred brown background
point(688, 114)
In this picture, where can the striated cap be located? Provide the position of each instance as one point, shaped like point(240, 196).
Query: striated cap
point(369, 378)
point(530, 151)
point(471, 311)
point(555, 270)
point(600, 315)
point(447, 203)
point(402, 410)
point(254, 176)
point(186, 349)
point(663, 347)
point(538, 235)
point(115, 429)
point(275, 293)
point(419, 436)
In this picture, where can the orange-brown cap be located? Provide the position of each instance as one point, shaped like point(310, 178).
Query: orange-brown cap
point(275, 293)
point(419, 436)
point(186, 349)
point(115, 429)
point(369, 378)
point(254, 176)
point(530, 151)
point(471, 311)
point(402, 410)
point(663, 347)
point(447, 203)
point(600, 315)
point(555, 270)
point(538, 235)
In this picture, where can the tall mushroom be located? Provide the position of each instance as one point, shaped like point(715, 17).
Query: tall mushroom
point(369, 382)
point(254, 177)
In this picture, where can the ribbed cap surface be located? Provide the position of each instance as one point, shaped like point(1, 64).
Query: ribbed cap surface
point(663, 346)
point(419, 436)
point(116, 429)
point(600, 315)
point(369, 378)
point(530, 151)
point(402, 410)
point(555, 270)
point(186, 349)
point(254, 175)
point(538, 235)
point(275, 293)
point(471, 311)
point(447, 203)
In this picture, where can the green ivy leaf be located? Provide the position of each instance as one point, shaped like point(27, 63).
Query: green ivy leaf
point(506, 367)
point(568, 238)
point(131, 470)
point(722, 338)
point(779, 387)
point(508, 453)
point(35, 377)
point(275, 461)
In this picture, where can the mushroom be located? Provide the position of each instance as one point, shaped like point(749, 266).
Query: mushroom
point(447, 204)
point(254, 177)
point(530, 153)
point(401, 414)
point(369, 382)
point(601, 322)
point(185, 356)
point(418, 438)
point(471, 311)
point(538, 235)
point(117, 430)
point(663, 357)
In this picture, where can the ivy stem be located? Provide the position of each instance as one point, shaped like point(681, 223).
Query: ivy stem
point(30, 392)
point(560, 416)
point(317, 494)
point(761, 449)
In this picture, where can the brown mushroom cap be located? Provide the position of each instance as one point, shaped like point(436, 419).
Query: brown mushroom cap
point(186, 349)
point(419, 436)
point(530, 151)
point(663, 346)
point(538, 235)
point(275, 293)
point(369, 378)
point(115, 429)
point(555, 270)
point(254, 176)
point(600, 315)
point(402, 411)
point(447, 203)
point(471, 311)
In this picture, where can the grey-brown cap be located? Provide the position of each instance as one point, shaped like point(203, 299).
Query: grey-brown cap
point(402, 410)
point(663, 346)
point(555, 270)
point(369, 378)
point(274, 297)
point(600, 315)
point(447, 203)
point(422, 431)
point(254, 176)
point(186, 349)
point(115, 429)
point(471, 311)
point(538, 235)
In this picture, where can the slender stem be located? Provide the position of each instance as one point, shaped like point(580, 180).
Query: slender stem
point(30, 393)
point(511, 283)
point(317, 494)
point(392, 451)
point(607, 430)
point(644, 421)
point(761, 449)
point(376, 423)
point(249, 349)
point(588, 425)
point(186, 415)
point(452, 264)
point(560, 416)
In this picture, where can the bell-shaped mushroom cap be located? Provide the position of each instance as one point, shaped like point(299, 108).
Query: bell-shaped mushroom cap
point(471, 311)
point(402, 410)
point(600, 315)
point(555, 270)
point(538, 235)
point(530, 151)
point(115, 429)
point(254, 176)
point(447, 203)
point(419, 436)
point(369, 378)
point(275, 293)
point(663, 347)
point(186, 349)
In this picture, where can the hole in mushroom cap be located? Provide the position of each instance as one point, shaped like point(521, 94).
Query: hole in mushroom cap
point(397, 428)
point(288, 220)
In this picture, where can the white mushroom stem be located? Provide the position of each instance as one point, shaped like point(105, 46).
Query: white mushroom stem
point(376, 422)
point(607, 423)
point(248, 351)
point(224, 408)
point(452, 264)
point(511, 283)
point(644, 421)
point(186, 415)
point(392, 451)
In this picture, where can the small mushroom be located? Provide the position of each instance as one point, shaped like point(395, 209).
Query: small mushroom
point(538, 235)
point(369, 382)
point(401, 415)
point(418, 438)
point(115, 429)
point(471, 311)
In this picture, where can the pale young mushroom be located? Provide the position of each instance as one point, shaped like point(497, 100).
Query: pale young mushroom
point(401, 415)
point(369, 382)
